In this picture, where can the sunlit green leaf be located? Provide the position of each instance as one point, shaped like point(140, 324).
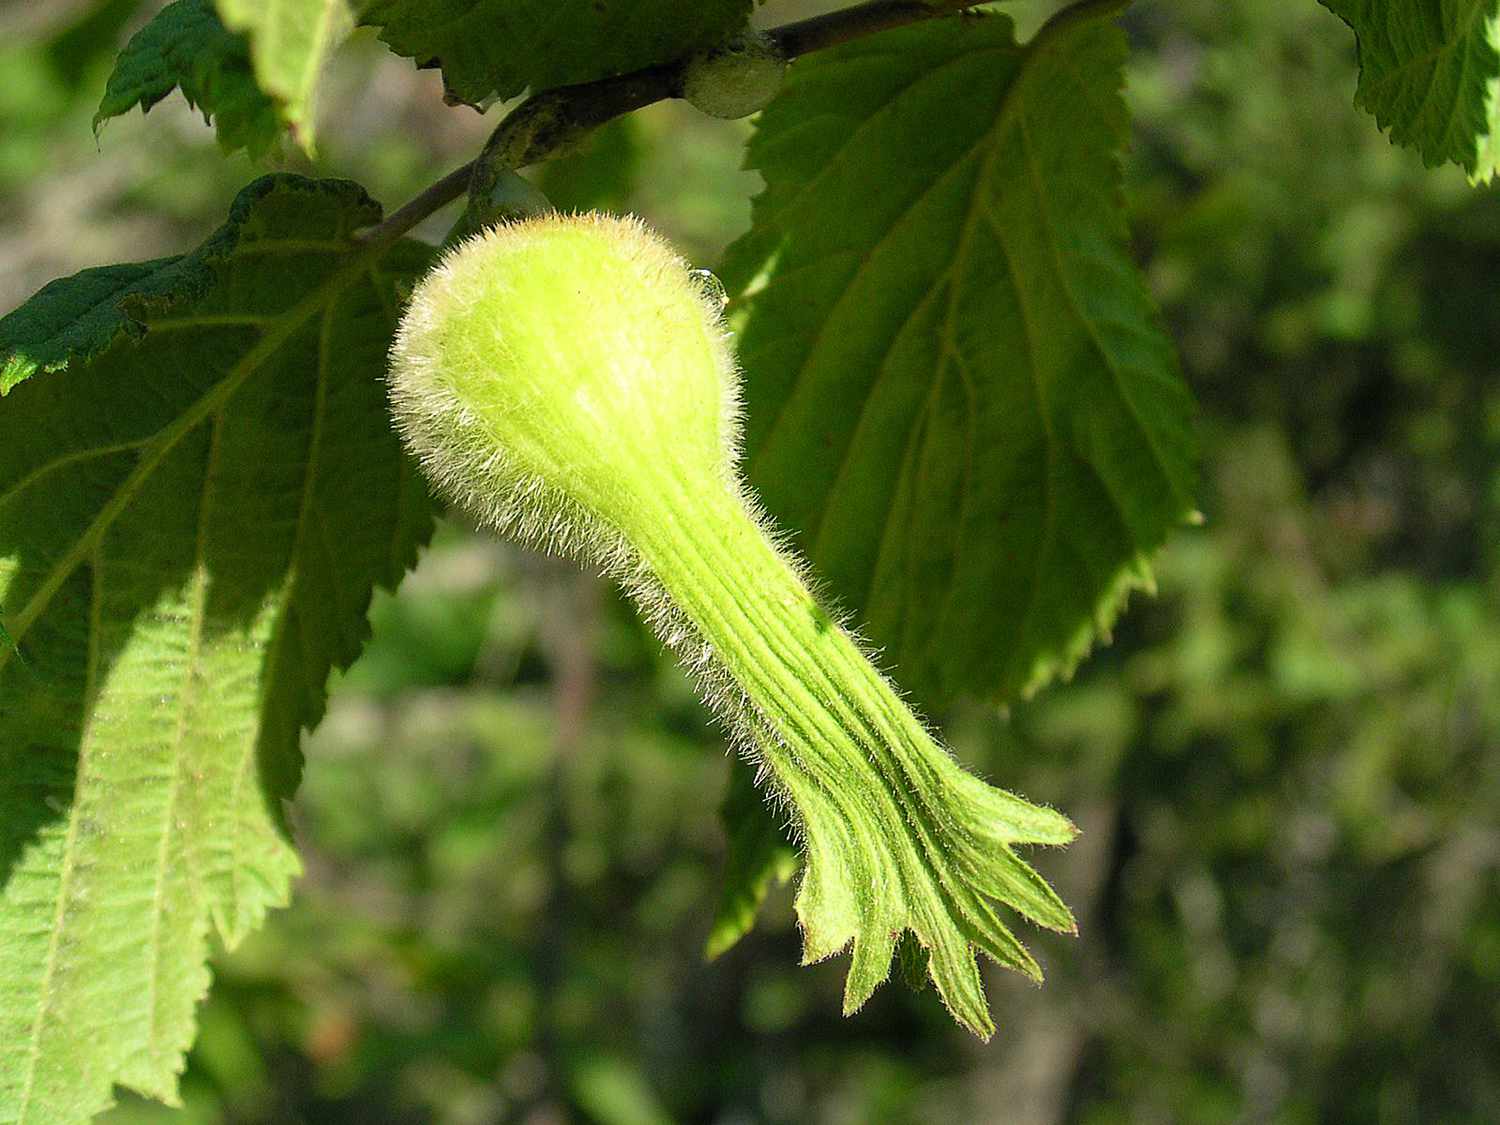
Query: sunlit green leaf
point(199, 489)
point(958, 390)
point(290, 43)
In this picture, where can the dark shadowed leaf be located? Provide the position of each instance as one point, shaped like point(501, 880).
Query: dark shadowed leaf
point(187, 47)
point(1430, 73)
point(500, 47)
point(758, 855)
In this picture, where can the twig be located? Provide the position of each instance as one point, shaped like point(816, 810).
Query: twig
point(433, 199)
point(548, 123)
point(848, 24)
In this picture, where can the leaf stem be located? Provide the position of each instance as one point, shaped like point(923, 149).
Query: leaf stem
point(433, 199)
point(547, 124)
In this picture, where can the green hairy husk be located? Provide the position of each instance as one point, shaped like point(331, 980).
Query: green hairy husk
point(569, 382)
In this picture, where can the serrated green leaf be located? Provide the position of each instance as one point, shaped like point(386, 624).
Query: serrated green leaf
point(958, 391)
point(497, 48)
point(290, 44)
point(74, 317)
point(1429, 70)
point(758, 856)
point(185, 46)
point(197, 498)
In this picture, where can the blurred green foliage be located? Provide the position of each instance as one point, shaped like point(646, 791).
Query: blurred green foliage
point(1287, 765)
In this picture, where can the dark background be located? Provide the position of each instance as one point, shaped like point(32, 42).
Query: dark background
point(1285, 765)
